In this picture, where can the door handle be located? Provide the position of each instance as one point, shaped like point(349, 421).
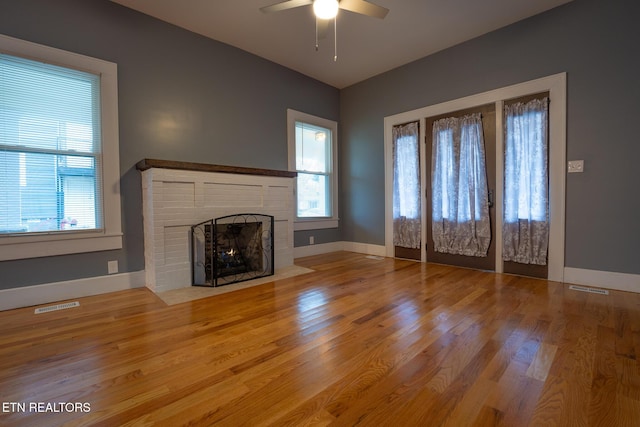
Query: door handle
point(490, 199)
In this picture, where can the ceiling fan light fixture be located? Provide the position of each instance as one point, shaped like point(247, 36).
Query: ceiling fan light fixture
point(325, 9)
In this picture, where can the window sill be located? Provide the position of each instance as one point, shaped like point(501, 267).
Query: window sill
point(16, 249)
point(315, 224)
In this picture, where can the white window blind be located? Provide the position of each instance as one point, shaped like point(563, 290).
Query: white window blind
point(50, 148)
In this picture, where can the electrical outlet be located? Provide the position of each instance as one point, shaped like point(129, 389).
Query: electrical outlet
point(575, 166)
point(112, 267)
point(312, 240)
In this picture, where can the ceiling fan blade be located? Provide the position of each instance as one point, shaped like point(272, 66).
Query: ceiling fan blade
point(364, 8)
point(322, 26)
point(284, 5)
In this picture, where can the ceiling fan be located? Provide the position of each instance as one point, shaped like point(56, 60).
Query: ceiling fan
point(325, 10)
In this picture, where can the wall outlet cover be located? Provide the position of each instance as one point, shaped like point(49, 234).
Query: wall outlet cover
point(576, 166)
point(112, 267)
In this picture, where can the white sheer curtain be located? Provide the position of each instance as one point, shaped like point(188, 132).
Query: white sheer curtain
point(460, 210)
point(406, 186)
point(525, 227)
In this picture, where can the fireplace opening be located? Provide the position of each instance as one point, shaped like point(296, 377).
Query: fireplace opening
point(232, 249)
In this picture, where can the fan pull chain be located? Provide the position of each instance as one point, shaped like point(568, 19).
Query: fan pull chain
point(316, 34)
point(335, 38)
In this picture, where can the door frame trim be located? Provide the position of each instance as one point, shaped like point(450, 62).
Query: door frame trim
point(556, 85)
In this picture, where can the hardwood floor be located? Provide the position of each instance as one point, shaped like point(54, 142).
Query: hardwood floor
point(358, 342)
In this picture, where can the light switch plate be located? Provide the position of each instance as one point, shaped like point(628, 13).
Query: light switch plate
point(576, 166)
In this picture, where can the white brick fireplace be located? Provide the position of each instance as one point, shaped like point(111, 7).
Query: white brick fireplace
point(177, 195)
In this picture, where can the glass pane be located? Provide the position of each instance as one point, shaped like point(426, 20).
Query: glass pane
point(312, 148)
point(525, 168)
point(313, 196)
point(444, 176)
point(48, 192)
point(79, 202)
point(407, 174)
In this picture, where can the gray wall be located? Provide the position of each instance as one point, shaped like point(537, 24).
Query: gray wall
point(595, 42)
point(226, 107)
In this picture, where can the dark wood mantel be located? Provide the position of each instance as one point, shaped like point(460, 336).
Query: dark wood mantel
point(145, 164)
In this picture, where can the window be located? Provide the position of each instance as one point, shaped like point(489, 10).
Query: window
point(58, 152)
point(54, 140)
point(313, 153)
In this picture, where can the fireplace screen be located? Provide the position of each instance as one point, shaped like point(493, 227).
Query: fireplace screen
point(232, 249)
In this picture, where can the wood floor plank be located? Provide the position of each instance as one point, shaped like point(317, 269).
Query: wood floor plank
point(358, 341)
point(539, 368)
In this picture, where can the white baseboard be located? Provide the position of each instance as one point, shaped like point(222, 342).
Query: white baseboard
point(576, 276)
point(365, 248)
point(59, 291)
point(603, 279)
point(323, 248)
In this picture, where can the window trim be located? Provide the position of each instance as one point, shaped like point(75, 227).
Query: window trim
point(14, 247)
point(302, 223)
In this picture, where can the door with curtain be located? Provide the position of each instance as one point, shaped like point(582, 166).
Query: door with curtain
point(460, 150)
point(407, 218)
point(525, 223)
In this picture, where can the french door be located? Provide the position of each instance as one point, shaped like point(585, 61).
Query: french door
point(536, 163)
point(488, 117)
point(554, 87)
point(482, 261)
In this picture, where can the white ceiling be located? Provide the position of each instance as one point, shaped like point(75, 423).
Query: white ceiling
point(365, 46)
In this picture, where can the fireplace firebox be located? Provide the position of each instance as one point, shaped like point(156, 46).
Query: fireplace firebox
point(232, 249)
